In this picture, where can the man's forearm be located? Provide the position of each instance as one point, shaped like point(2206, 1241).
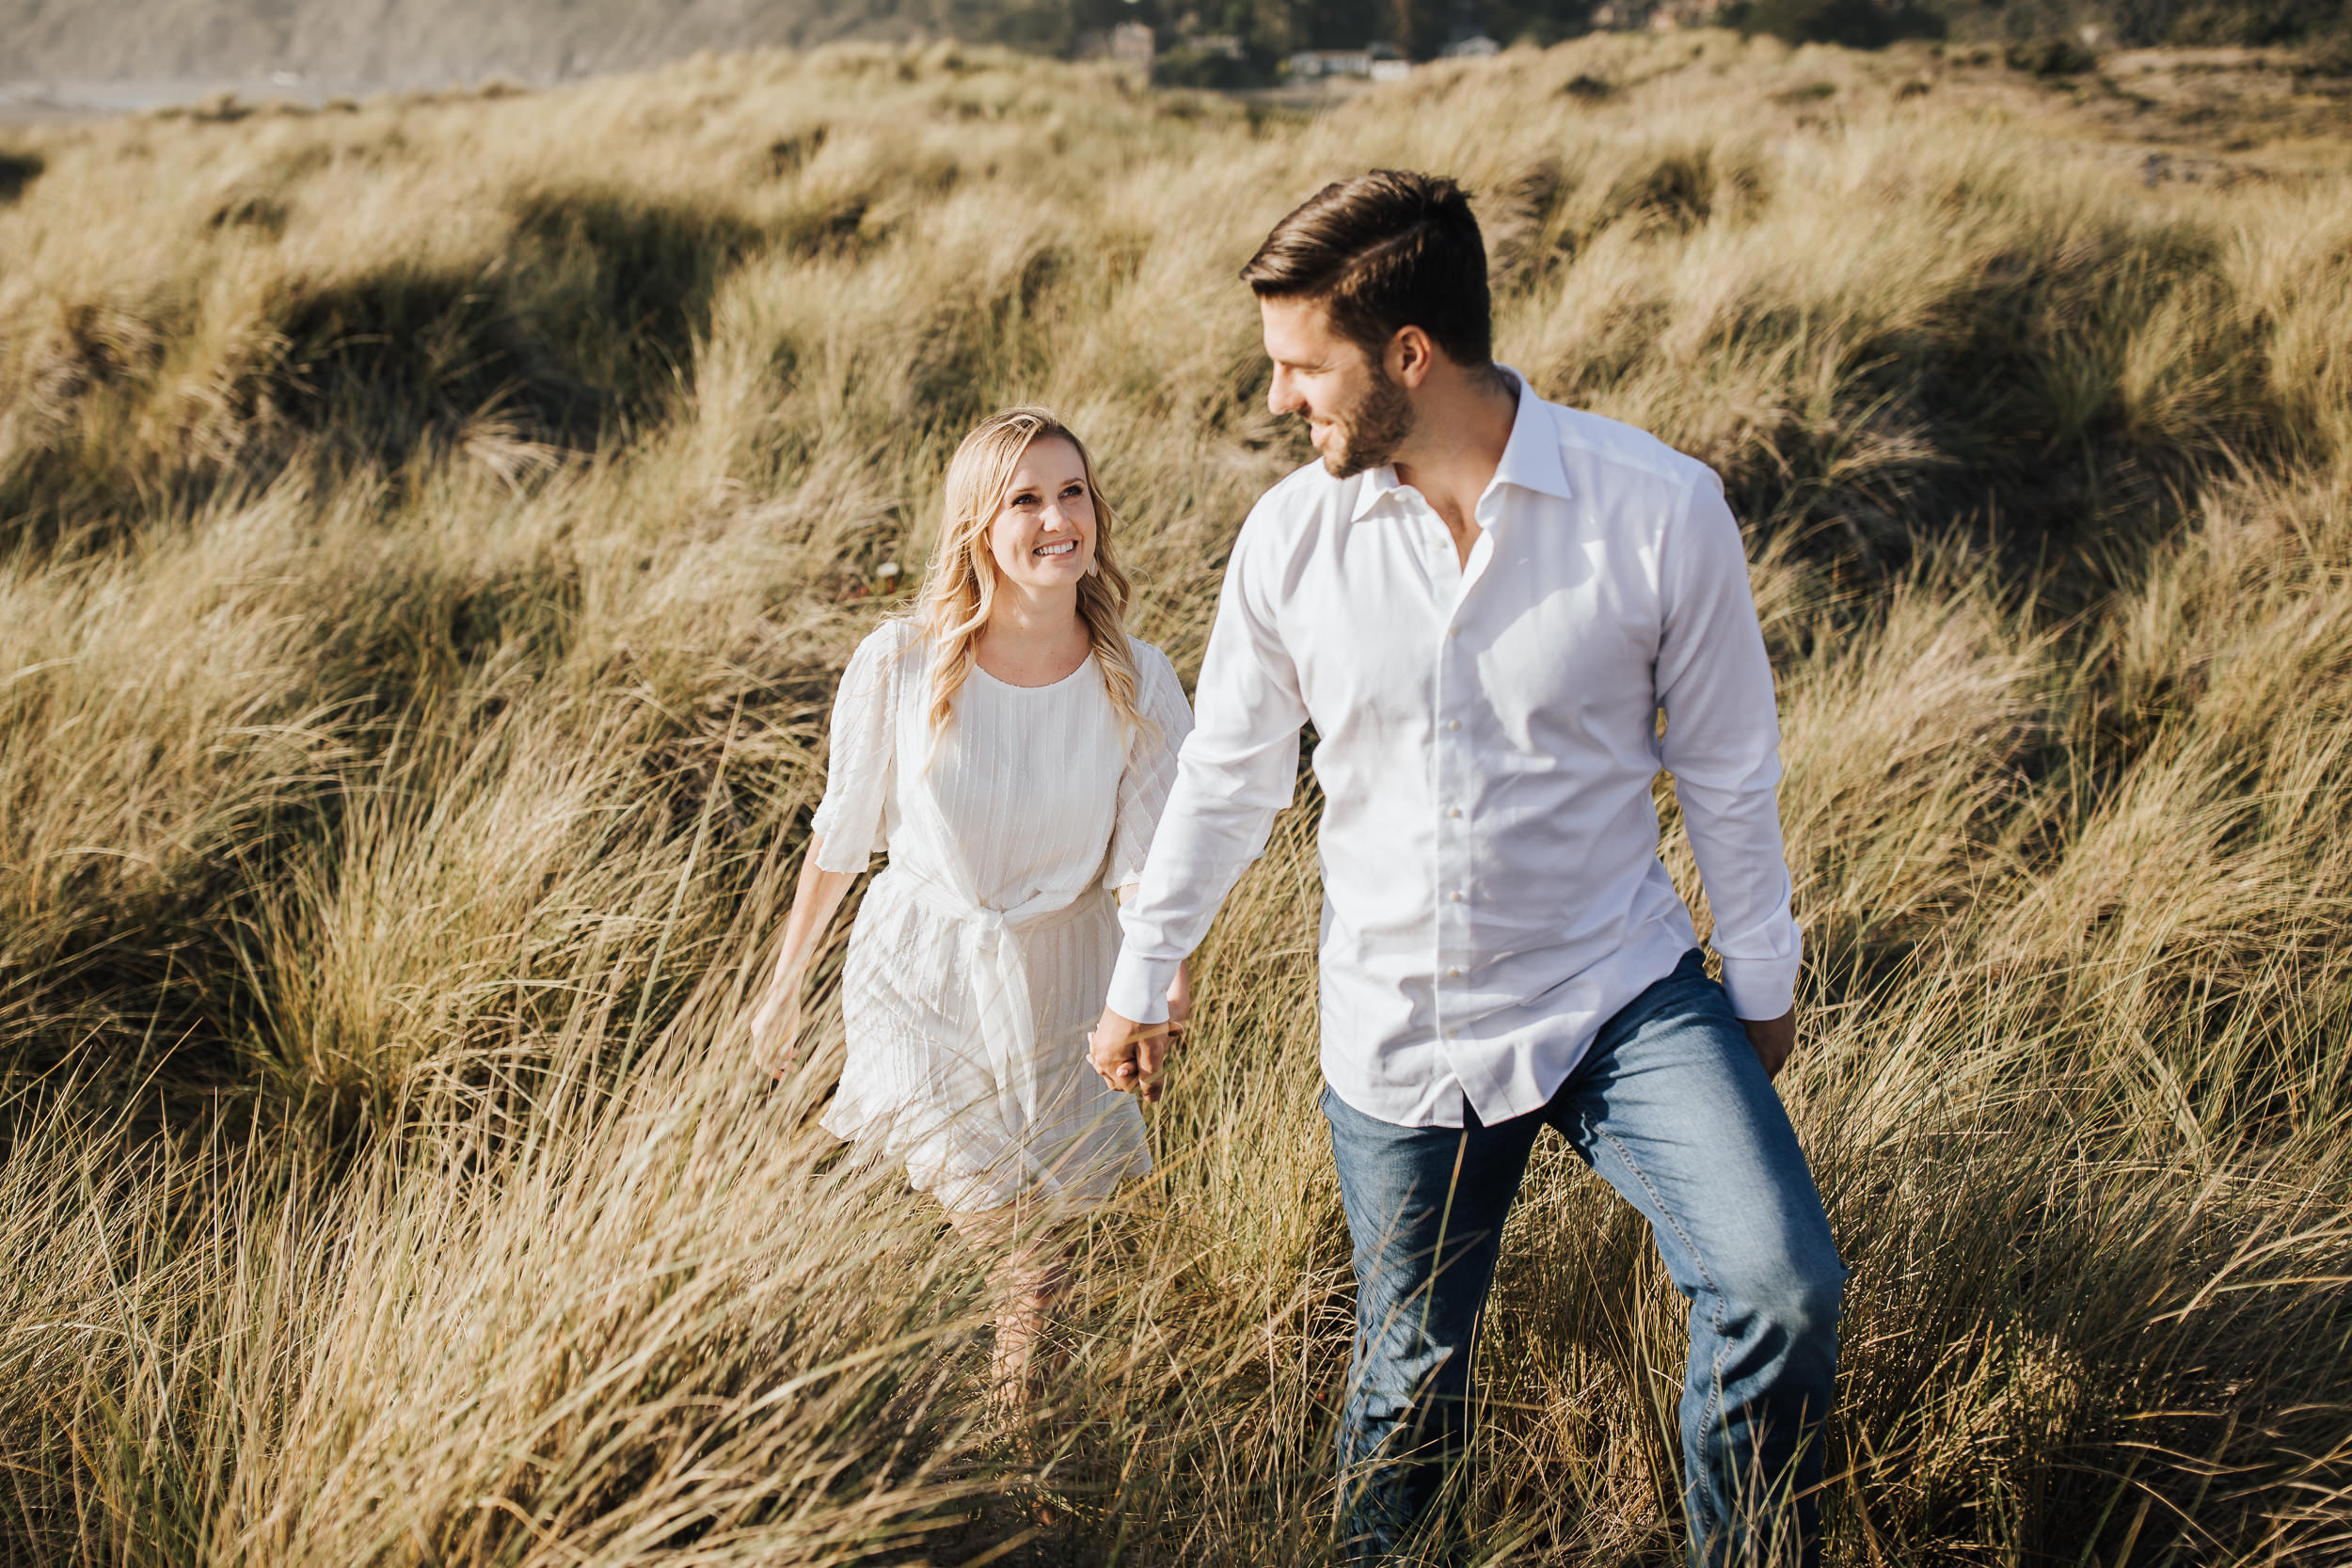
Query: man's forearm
point(1722, 744)
point(1215, 823)
point(1138, 988)
point(1735, 837)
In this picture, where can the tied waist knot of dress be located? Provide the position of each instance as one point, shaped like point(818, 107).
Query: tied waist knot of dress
point(989, 944)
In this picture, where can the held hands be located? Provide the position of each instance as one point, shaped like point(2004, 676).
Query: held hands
point(1130, 1055)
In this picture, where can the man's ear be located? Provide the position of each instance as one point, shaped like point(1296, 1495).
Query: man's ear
point(1410, 357)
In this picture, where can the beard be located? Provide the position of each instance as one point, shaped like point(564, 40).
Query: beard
point(1370, 433)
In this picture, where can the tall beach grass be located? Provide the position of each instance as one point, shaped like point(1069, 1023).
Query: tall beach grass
point(429, 534)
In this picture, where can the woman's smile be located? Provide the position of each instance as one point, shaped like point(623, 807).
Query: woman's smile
point(1043, 536)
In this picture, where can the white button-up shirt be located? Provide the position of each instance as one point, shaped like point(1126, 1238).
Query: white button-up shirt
point(1488, 736)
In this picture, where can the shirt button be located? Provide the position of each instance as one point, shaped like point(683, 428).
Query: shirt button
point(1454, 811)
point(1452, 897)
point(1452, 974)
point(1454, 632)
point(1453, 724)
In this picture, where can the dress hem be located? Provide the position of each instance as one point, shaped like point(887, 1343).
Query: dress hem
point(978, 1188)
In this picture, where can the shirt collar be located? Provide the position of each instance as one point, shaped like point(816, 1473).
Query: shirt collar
point(1530, 458)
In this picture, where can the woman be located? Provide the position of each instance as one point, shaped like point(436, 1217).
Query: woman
point(1012, 747)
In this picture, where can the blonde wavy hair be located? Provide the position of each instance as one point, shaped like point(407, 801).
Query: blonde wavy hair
point(959, 586)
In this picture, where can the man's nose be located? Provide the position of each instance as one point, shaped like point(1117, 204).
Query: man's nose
point(1280, 397)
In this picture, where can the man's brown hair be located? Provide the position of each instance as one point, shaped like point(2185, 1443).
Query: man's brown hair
point(1384, 251)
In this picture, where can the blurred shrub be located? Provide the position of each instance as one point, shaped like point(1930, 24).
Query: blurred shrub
point(2050, 58)
point(18, 170)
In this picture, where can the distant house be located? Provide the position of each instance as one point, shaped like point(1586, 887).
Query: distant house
point(1313, 64)
point(1623, 16)
point(1669, 15)
point(1374, 62)
point(1223, 45)
point(1388, 63)
point(1131, 41)
point(1476, 47)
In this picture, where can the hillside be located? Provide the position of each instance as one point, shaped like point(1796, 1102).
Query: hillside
point(437, 42)
point(431, 42)
point(431, 531)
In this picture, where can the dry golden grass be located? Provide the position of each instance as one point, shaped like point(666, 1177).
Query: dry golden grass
point(428, 536)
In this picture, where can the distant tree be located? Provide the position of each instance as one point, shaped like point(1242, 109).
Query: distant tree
point(2257, 20)
point(2135, 23)
point(1855, 24)
point(1339, 23)
point(1539, 21)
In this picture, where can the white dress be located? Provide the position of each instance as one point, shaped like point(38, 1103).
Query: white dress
point(981, 954)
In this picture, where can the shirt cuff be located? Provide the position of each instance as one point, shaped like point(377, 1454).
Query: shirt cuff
point(1140, 986)
point(1760, 989)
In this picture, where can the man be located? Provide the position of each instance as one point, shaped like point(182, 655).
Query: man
point(1485, 602)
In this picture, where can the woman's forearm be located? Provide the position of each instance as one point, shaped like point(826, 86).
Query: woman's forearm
point(815, 899)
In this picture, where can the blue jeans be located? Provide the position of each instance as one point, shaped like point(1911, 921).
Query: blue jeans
point(1673, 1109)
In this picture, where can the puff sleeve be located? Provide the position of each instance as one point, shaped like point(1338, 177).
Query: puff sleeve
point(852, 818)
point(1151, 771)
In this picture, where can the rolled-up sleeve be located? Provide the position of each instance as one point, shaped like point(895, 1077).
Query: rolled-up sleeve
point(1236, 773)
point(1723, 747)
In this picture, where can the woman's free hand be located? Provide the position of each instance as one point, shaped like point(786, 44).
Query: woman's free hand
point(775, 1026)
point(776, 1032)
